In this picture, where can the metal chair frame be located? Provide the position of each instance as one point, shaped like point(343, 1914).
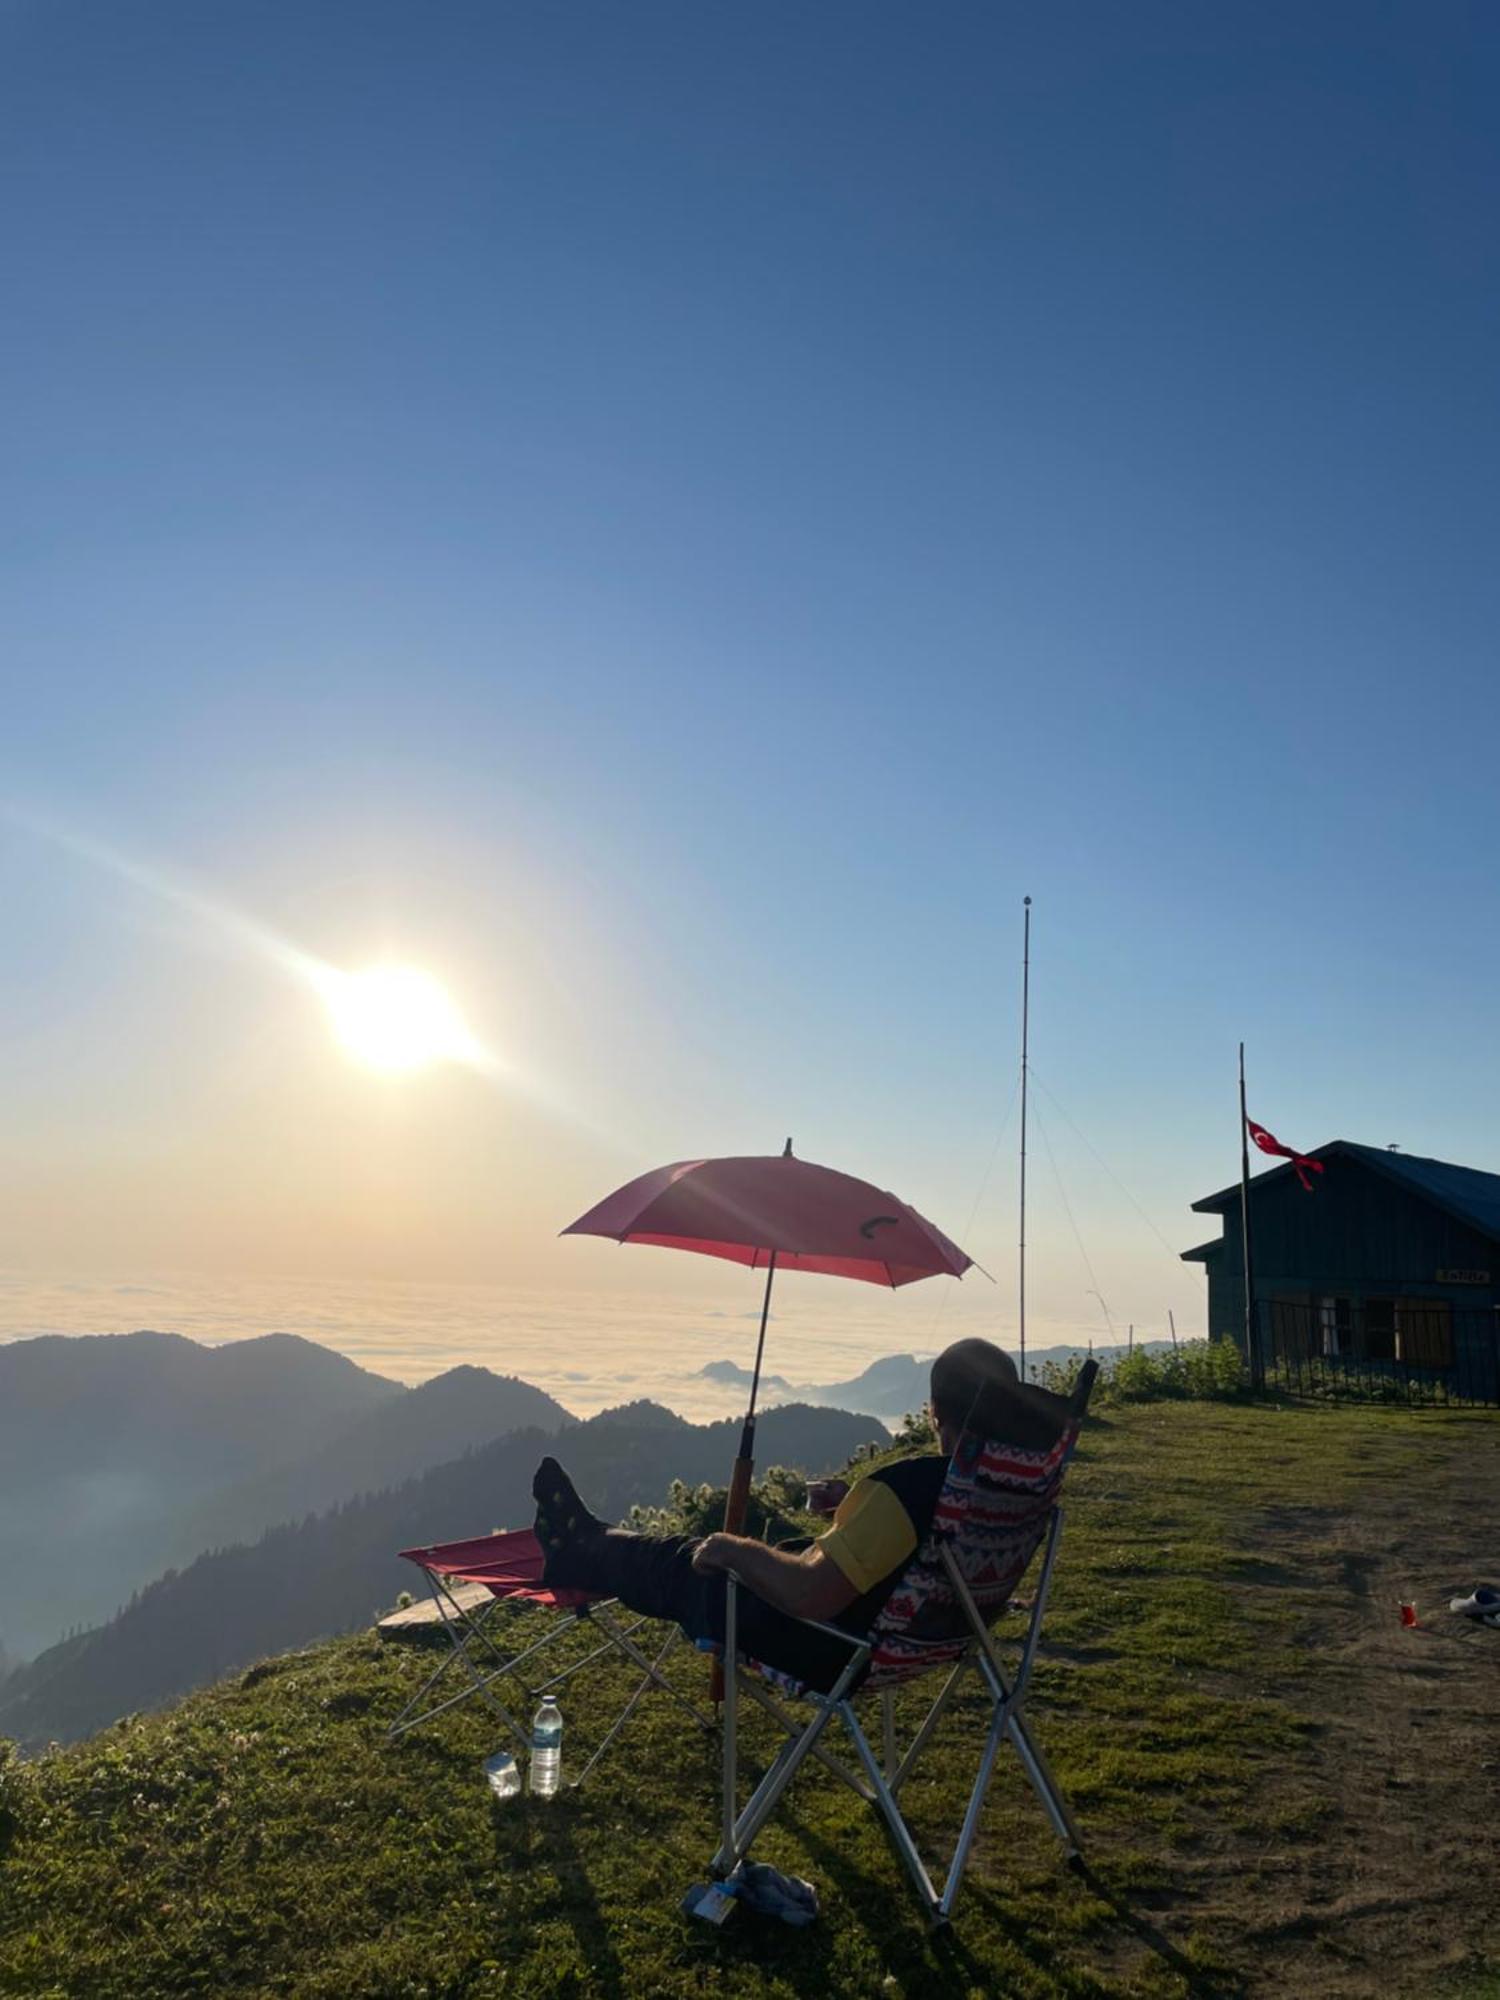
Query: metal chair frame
point(881, 1786)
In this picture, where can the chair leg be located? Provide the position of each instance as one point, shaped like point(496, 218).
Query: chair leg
point(456, 1627)
point(626, 1645)
point(1044, 1784)
point(933, 1717)
point(1008, 1704)
point(630, 1707)
point(835, 1765)
point(455, 1647)
point(740, 1832)
point(729, 1748)
point(763, 1799)
point(565, 1674)
point(960, 1861)
point(899, 1830)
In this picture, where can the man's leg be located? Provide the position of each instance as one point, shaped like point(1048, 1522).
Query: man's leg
point(654, 1575)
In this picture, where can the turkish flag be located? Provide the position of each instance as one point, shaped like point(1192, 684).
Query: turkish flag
point(1302, 1165)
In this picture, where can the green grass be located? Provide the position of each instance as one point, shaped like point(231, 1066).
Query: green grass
point(262, 1838)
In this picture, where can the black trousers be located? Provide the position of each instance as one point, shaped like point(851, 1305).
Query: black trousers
point(654, 1574)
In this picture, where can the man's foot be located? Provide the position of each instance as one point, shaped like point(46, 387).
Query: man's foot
point(565, 1528)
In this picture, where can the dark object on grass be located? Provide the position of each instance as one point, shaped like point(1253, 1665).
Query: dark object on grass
point(1482, 1603)
point(759, 1887)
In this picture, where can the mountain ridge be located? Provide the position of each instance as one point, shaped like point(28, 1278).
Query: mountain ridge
point(122, 1454)
point(335, 1570)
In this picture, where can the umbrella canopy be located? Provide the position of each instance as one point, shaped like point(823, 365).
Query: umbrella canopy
point(773, 1210)
point(777, 1213)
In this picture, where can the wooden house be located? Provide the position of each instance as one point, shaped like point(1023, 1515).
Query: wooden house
point(1390, 1261)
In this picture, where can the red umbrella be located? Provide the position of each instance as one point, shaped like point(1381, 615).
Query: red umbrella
point(778, 1213)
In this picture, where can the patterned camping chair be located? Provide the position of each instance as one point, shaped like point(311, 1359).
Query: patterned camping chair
point(998, 1506)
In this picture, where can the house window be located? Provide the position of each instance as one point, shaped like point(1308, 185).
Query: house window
point(1418, 1332)
point(1380, 1329)
point(1424, 1333)
point(1291, 1327)
point(1336, 1326)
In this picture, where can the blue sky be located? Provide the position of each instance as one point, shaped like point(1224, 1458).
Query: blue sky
point(677, 518)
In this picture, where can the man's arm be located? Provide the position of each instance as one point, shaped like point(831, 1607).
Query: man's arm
point(807, 1585)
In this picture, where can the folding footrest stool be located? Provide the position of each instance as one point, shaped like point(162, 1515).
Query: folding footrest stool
point(509, 1567)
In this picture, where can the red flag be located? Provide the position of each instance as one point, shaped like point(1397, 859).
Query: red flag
point(1300, 1161)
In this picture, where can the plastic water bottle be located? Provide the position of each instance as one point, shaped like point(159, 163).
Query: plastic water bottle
point(546, 1749)
point(503, 1774)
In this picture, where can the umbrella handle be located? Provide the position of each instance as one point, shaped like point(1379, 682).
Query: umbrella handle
point(739, 1494)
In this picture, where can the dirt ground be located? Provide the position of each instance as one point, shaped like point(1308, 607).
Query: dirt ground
point(1394, 1888)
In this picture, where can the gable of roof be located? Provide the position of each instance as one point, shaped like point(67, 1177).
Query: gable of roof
point(1468, 1194)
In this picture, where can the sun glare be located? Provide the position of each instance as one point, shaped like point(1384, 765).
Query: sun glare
point(394, 1017)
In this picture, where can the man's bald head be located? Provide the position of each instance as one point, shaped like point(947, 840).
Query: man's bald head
point(975, 1387)
point(970, 1381)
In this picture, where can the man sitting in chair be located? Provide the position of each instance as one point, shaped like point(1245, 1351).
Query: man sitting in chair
point(843, 1578)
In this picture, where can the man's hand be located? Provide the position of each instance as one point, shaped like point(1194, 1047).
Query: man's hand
point(715, 1552)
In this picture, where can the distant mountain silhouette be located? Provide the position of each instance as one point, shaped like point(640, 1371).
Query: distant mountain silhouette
point(120, 1454)
point(736, 1376)
point(643, 1415)
point(887, 1388)
point(896, 1384)
point(337, 1570)
point(112, 1403)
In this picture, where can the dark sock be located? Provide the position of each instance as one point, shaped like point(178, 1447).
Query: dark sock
point(565, 1528)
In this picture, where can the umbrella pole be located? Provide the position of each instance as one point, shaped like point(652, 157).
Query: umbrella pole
point(744, 1465)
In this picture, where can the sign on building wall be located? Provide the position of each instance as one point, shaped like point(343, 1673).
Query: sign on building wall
point(1462, 1278)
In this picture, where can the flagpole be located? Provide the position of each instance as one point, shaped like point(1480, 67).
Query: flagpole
point(1252, 1344)
point(1025, 1029)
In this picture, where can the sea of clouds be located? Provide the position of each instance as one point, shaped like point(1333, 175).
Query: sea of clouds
point(589, 1349)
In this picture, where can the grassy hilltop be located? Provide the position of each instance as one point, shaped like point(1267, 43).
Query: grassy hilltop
point(1281, 1791)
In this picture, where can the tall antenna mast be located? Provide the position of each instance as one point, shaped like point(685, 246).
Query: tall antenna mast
point(1025, 1030)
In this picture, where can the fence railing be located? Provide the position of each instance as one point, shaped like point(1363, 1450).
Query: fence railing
point(1421, 1351)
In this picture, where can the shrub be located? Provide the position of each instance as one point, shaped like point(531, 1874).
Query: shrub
point(10, 1793)
point(916, 1432)
point(1061, 1377)
point(771, 1512)
point(1214, 1368)
point(1208, 1370)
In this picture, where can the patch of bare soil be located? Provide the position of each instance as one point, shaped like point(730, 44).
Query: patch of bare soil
point(1393, 1890)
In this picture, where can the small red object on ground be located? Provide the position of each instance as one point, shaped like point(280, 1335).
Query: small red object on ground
point(1408, 1613)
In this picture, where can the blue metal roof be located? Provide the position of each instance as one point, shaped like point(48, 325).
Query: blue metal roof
point(1465, 1192)
point(1472, 1196)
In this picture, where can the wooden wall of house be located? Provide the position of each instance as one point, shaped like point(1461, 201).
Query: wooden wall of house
point(1360, 1231)
point(1357, 1233)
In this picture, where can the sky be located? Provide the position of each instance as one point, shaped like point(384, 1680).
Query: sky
point(673, 520)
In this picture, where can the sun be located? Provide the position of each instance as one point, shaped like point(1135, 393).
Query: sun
point(395, 1017)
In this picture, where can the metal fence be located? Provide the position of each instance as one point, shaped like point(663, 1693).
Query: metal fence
point(1382, 1351)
